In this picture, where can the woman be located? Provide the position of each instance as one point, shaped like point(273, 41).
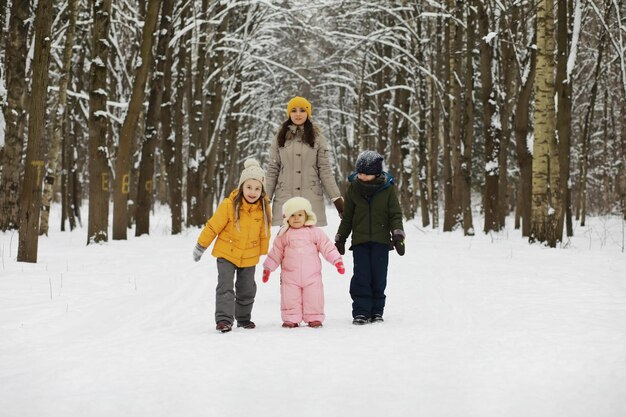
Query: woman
point(299, 165)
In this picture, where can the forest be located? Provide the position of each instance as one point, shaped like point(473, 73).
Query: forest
point(497, 107)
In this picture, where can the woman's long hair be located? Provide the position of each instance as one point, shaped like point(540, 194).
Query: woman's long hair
point(265, 205)
point(308, 137)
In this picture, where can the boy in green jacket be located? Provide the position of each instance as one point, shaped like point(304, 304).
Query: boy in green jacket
point(373, 215)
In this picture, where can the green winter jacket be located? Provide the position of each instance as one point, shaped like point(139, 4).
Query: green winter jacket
point(370, 220)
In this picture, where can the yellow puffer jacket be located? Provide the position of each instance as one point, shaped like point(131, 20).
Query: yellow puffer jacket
point(242, 246)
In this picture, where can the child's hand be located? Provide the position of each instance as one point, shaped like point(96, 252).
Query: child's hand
point(197, 252)
point(266, 275)
point(340, 268)
point(398, 241)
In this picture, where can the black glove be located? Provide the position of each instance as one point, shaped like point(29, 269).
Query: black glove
point(339, 206)
point(398, 241)
point(340, 244)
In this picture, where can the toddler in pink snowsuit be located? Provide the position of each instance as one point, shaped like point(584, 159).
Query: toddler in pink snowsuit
point(296, 249)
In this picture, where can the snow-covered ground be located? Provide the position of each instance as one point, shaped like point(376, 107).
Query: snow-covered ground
point(483, 326)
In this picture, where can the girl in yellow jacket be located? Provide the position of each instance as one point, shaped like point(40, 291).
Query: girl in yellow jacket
point(241, 224)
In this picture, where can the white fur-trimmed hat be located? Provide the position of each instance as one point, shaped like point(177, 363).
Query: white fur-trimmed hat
point(296, 204)
point(252, 171)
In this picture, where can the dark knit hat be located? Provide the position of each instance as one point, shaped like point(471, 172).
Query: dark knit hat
point(370, 163)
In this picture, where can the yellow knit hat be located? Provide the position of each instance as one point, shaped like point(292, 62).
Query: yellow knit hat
point(302, 102)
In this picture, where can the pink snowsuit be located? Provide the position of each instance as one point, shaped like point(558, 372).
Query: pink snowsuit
point(301, 290)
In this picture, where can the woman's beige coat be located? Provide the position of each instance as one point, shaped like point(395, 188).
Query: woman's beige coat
point(297, 170)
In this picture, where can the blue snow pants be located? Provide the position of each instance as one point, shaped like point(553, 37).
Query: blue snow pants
point(367, 287)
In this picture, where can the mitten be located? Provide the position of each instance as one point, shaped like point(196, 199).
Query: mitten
point(197, 252)
point(340, 268)
point(398, 241)
point(340, 244)
point(266, 275)
point(339, 206)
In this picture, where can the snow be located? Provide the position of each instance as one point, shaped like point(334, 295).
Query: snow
point(475, 326)
point(571, 59)
point(2, 121)
point(491, 167)
point(490, 36)
point(98, 62)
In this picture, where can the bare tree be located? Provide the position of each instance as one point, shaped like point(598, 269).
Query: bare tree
point(546, 190)
point(59, 120)
point(564, 112)
point(491, 131)
point(145, 189)
point(173, 119)
point(30, 200)
point(14, 114)
point(468, 129)
point(435, 129)
point(422, 153)
point(196, 156)
point(449, 218)
point(122, 180)
point(97, 230)
point(74, 146)
point(509, 26)
point(457, 113)
point(587, 125)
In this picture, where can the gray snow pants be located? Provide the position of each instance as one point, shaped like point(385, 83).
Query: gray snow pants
point(234, 299)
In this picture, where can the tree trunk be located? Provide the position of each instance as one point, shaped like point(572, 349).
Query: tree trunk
point(14, 114)
point(76, 149)
point(398, 149)
point(521, 126)
point(173, 141)
point(383, 79)
point(59, 120)
point(457, 115)
point(145, 189)
point(360, 107)
point(435, 132)
point(30, 200)
point(449, 219)
point(196, 106)
point(97, 230)
point(3, 13)
point(468, 131)
point(123, 164)
point(508, 84)
point(231, 149)
point(545, 184)
point(588, 123)
point(564, 113)
point(422, 170)
point(344, 151)
point(492, 142)
point(212, 121)
point(622, 178)
point(586, 139)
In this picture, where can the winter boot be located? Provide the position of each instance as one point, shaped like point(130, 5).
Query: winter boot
point(377, 318)
point(360, 320)
point(246, 324)
point(290, 325)
point(223, 326)
point(315, 324)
